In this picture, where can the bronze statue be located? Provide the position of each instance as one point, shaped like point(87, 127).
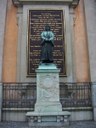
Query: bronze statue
point(47, 44)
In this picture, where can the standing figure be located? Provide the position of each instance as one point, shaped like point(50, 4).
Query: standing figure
point(47, 44)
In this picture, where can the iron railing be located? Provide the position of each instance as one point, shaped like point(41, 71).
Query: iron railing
point(19, 95)
point(75, 94)
point(23, 95)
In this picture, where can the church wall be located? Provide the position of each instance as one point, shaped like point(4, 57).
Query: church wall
point(10, 44)
point(80, 46)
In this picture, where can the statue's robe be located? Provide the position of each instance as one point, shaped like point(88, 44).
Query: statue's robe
point(47, 46)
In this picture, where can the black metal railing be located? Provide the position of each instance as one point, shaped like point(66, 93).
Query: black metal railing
point(19, 95)
point(75, 94)
point(23, 95)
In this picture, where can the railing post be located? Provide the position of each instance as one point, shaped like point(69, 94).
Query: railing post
point(94, 100)
point(0, 101)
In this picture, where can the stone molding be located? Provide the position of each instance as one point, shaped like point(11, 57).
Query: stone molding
point(71, 3)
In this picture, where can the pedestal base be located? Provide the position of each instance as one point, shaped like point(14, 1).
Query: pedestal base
point(48, 118)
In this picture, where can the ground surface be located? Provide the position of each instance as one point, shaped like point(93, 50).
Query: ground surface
point(80, 124)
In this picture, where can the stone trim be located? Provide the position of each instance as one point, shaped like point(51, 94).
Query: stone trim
point(19, 22)
point(72, 3)
point(3, 7)
point(90, 18)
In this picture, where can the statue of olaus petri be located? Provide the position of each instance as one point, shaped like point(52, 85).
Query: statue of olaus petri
point(47, 43)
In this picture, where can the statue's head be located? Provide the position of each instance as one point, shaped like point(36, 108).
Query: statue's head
point(47, 28)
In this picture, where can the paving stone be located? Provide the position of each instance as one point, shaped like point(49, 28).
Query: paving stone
point(79, 124)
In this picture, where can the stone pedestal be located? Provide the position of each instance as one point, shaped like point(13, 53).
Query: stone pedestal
point(48, 107)
point(48, 89)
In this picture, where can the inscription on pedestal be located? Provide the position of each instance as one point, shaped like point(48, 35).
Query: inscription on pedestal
point(37, 21)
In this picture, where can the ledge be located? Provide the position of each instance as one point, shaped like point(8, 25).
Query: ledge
point(71, 3)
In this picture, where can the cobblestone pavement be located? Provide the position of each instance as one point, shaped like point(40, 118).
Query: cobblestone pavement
point(79, 124)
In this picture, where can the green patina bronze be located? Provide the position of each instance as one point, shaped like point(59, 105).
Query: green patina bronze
point(47, 44)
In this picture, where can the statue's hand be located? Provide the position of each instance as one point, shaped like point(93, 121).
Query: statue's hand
point(46, 39)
